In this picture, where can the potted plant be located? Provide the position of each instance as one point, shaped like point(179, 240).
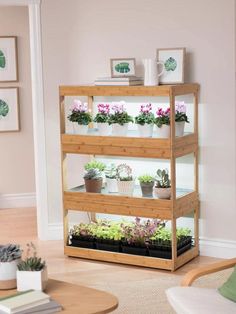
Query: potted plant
point(119, 119)
point(162, 187)
point(125, 180)
point(31, 271)
point(180, 118)
point(102, 119)
point(145, 121)
point(162, 122)
point(146, 182)
point(108, 236)
point(110, 174)
point(93, 177)
point(10, 255)
point(80, 116)
point(83, 235)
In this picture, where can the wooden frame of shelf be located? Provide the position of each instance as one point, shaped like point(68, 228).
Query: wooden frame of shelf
point(171, 149)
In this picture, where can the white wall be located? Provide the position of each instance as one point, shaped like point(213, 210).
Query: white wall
point(79, 38)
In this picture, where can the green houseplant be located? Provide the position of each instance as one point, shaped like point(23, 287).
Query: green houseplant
point(80, 116)
point(83, 235)
point(10, 255)
point(93, 177)
point(119, 119)
point(31, 271)
point(125, 179)
point(110, 174)
point(180, 118)
point(162, 122)
point(162, 187)
point(145, 121)
point(102, 119)
point(146, 182)
point(108, 236)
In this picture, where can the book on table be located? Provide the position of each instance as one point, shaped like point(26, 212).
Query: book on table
point(47, 308)
point(126, 81)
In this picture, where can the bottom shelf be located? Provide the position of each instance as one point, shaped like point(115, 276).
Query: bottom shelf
point(137, 260)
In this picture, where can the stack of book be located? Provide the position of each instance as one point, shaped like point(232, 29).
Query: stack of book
point(126, 81)
point(29, 302)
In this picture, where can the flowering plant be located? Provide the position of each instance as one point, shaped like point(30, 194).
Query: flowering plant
point(103, 113)
point(145, 115)
point(119, 114)
point(124, 172)
point(180, 112)
point(80, 113)
point(163, 117)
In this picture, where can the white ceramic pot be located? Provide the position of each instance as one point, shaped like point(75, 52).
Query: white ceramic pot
point(162, 193)
point(163, 131)
point(104, 129)
point(119, 130)
point(145, 130)
point(8, 274)
point(36, 280)
point(80, 128)
point(179, 128)
point(112, 185)
point(125, 187)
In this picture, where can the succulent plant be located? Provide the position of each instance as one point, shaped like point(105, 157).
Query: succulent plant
point(9, 252)
point(162, 179)
point(146, 178)
point(110, 171)
point(32, 262)
point(94, 164)
point(124, 172)
point(93, 174)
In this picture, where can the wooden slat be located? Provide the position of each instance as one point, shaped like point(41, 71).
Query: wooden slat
point(186, 257)
point(184, 89)
point(185, 204)
point(122, 258)
point(185, 150)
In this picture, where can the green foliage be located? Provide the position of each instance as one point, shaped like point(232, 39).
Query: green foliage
point(162, 179)
point(84, 230)
point(120, 118)
point(164, 235)
point(112, 231)
point(145, 118)
point(94, 164)
point(31, 262)
point(101, 118)
point(170, 64)
point(146, 178)
point(9, 252)
point(4, 108)
point(83, 118)
point(124, 172)
point(93, 174)
point(181, 116)
point(2, 60)
point(122, 67)
point(110, 171)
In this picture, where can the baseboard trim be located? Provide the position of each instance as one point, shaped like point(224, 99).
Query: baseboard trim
point(17, 200)
point(217, 248)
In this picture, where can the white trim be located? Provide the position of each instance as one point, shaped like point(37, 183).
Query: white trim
point(18, 2)
point(217, 248)
point(17, 200)
point(54, 231)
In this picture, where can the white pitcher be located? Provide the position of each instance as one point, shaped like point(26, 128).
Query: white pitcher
point(151, 75)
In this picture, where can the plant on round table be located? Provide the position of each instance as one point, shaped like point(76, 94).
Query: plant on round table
point(119, 115)
point(103, 114)
point(32, 262)
point(9, 253)
point(80, 113)
point(145, 115)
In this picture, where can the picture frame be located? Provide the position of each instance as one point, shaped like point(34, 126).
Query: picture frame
point(8, 59)
point(173, 59)
point(9, 109)
point(123, 67)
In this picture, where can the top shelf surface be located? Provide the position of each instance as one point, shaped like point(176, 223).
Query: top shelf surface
point(161, 90)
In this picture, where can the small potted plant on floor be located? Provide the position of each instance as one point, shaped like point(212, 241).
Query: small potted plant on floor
point(119, 119)
point(180, 118)
point(80, 116)
point(10, 255)
point(145, 121)
point(83, 235)
point(93, 177)
point(125, 180)
point(162, 122)
point(162, 187)
point(102, 119)
point(110, 174)
point(31, 271)
point(146, 182)
point(108, 236)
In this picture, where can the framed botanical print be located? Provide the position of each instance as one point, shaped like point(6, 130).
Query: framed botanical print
point(8, 59)
point(9, 109)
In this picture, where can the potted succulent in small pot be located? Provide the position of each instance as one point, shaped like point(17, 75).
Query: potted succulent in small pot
point(80, 116)
point(145, 121)
point(102, 119)
point(162, 187)
point(10, 255)
point(83, 235)
point(146, 182)
point(125, 180)
point(110, 174)
point(31, 271)
point(162, 122)
point(180, 118)
point(119, 119)
point(93, 177)
point(108, 236)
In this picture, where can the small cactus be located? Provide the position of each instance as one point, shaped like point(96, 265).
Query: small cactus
point(9, 252)
point(31, 263)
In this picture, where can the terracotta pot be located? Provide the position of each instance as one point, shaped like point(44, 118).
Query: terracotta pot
point(93, 186)
point(162, 193)
point(147, 189)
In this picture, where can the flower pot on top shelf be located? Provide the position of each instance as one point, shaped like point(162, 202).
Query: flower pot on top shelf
point(162, 187)
point(146, 183)
point(93, 177)
point(102, 118)
point(80, 116)
point(125, 180)
point(119, 119)
point(145, 121)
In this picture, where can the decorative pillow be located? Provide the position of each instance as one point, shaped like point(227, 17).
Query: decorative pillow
point(228, 290)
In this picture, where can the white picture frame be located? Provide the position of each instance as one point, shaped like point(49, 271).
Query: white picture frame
point(173, 59)
point(122, 67)
point(9, 109)
point(8, 59)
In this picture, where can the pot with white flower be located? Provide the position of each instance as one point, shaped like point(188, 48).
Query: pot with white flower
point(102, 119)
point(31, 271)
point(146, 182)
point(119, 119)
point(80, 116)
point(125, 180)
point(180, 118)
point(145, 121)
point(110, 174)
point(10, 255)
point(162, 187)
point(162, 122)
point(93, 177)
